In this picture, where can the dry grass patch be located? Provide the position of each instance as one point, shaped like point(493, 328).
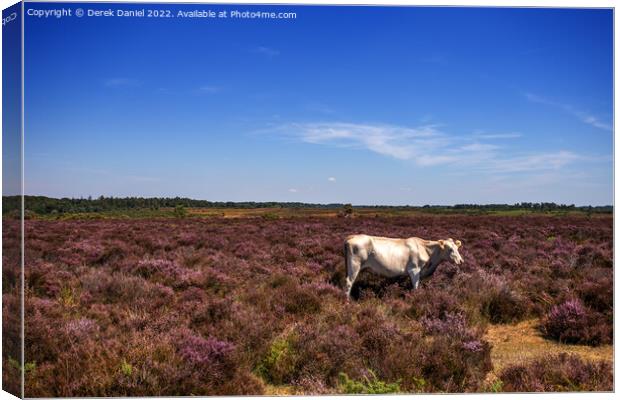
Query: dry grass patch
point(523, 342)
point(284, 390)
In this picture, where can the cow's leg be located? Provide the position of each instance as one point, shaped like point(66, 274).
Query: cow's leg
point(414, 274)
point(354, 265)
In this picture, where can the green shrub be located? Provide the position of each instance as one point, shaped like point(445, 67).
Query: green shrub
point(346, 211)
point(495, 387)
point(180, 211)
point(370, 385)
point(278, 363)
point(126, 368)
point(270, 216)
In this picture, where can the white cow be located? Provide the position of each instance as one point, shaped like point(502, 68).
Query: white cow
point(390, 257)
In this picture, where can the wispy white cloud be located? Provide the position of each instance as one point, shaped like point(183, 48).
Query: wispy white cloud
point(293, 190)
point(491, 136)
point(389, 140)
point(429, 146)
point(268, 51)
point(595, 122)
point(584, 116)
point(331, 179)
point(479, 147)
point(120, 82)
point(554, 160)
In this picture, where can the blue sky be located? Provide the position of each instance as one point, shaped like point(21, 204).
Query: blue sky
point(342, 104)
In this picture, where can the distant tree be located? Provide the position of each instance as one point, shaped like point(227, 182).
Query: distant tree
point(346, 211)
point(180, 211)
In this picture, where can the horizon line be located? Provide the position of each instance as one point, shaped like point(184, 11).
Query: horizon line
point(93, 198)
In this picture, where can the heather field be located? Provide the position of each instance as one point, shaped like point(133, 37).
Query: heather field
point(255, 305)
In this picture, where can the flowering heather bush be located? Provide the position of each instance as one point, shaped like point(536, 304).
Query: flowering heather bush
point(592, 256)
point(165, 271)
point(567, 321)
point(312, 386)
point(500, 304)
point(598, 294)
point(451, 365)
point(82, 328)
point(562, 373)
point(459, 346)
point(571, 322)
point(48, 279)
point(453, 325)
point(210, 359)
point(11, 340)
point(323, 349)
point(435, 305)
point(230, 306)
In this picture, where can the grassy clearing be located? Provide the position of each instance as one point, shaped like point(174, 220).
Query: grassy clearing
point(523, 342)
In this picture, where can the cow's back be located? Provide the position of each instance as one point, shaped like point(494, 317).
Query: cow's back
point(390, 254)
point(385, 256)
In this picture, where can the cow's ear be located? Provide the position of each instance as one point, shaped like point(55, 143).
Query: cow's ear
point(441, 244)
point(458, 243)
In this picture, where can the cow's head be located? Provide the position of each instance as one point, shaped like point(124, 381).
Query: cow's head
point(450, 250)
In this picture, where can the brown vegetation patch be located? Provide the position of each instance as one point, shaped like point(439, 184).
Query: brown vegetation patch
point(522, 342)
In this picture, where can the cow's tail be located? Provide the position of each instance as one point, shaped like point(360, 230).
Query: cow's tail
point(346, 256)
point(347, 266)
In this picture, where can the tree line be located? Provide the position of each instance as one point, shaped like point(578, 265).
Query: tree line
point(49, 205)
